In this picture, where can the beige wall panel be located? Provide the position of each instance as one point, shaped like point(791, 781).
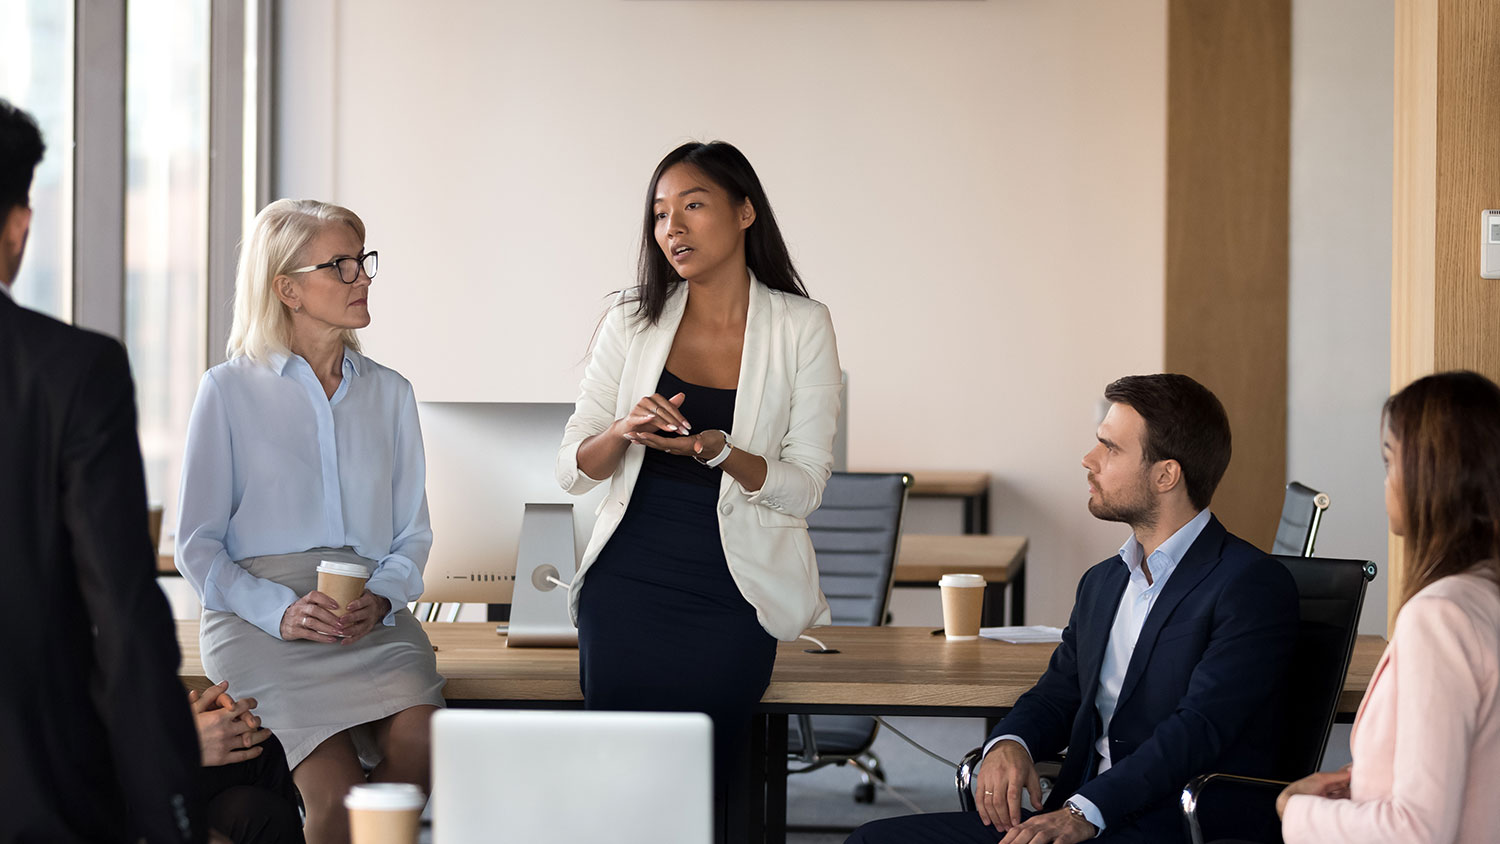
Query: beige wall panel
point(1228, 114)
point(1443, 315)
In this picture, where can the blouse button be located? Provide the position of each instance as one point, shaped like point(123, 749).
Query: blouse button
point(726, 509)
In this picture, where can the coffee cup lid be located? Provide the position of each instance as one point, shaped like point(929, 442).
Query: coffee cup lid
point(961, 580)
point(387, 796)
point(345, 569)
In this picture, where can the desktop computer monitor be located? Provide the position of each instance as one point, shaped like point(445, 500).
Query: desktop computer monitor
point(485, 462)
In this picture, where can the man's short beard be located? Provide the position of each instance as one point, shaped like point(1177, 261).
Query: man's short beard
point(1139, 514)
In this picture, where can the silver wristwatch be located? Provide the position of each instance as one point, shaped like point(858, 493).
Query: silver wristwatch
point(720, 457)
point(1076, 811)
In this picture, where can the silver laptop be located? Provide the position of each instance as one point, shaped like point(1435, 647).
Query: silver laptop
point(534, 777)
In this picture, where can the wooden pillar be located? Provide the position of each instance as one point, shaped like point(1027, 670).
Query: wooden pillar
point(1447, 170)
point(1228, 148)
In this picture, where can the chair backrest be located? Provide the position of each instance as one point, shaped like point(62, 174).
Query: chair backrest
point(855, 533)
point(1330, 594)
point(1301, 513)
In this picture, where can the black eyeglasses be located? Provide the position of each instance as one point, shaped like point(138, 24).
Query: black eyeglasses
point(348, 268)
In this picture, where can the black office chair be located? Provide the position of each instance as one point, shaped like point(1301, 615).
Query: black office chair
point(856, 533)
point(1301, 513)
point(1330, 594)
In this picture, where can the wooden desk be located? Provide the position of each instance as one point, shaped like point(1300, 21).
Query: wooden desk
point(973, 488)
point(887, 670)
point(1001, 559)
point(878, 670)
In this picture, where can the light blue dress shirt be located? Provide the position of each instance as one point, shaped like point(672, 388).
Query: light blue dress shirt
point(1135, 605)
point(275, 466)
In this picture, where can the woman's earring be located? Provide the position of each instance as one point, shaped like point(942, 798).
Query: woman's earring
point(297, 310)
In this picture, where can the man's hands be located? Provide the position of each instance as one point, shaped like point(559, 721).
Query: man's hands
point(1334, 785)
point(1006, 770)
point(1060, 827)
point(228, 731)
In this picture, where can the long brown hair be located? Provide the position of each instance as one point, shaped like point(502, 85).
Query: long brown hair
point(1448, 427)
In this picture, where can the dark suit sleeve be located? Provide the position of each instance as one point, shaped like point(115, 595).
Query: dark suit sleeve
point(1239, 674)
point(1043, 717)
point(142, 704)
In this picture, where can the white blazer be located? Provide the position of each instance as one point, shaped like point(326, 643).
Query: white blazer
point(786, 410)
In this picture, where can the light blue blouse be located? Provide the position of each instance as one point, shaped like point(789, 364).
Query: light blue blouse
point(274, 466)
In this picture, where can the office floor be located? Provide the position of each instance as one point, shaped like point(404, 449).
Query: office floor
point(825, 797)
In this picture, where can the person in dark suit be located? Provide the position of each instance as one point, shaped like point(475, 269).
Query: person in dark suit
point(245, 784)
point(112, 759)
point(1171, 664)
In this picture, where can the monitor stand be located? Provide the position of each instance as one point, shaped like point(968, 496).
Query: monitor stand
point(539, 616)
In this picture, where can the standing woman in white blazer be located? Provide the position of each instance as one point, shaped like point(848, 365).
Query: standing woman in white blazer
point(709, 405)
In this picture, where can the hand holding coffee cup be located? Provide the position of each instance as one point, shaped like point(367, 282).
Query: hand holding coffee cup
point(963, 604)
point(343, 582)
point(384, 813)
point(363, 614)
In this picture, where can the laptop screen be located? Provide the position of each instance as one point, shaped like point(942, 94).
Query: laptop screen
point(543, 776)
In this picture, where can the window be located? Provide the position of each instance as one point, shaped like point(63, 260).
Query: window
point(166, 224)
point(36, 74)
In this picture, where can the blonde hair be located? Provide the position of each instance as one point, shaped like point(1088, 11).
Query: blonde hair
point(262, 323)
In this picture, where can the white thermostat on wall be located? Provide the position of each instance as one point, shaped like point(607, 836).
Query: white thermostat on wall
point(1489, 243)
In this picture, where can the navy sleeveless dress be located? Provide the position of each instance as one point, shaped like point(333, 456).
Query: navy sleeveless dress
point(662, 625)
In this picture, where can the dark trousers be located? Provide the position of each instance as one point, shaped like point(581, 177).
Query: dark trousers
point(253, 802)
point(966, 828)
point(662, 626)
point(935, 828)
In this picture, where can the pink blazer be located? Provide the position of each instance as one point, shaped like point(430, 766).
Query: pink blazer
point(1426, 741)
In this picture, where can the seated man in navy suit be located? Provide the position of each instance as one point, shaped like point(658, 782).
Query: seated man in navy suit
point(1171, 664)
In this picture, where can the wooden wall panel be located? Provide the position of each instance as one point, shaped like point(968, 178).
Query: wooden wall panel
point(1228, 148)
point(1447, 169)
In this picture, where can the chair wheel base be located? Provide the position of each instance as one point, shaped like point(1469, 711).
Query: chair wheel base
point(864, 792)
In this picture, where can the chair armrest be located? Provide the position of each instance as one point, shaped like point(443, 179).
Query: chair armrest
point(964, 778)
point(1200, 786)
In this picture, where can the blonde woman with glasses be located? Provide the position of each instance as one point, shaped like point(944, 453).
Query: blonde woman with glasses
point(302, 451)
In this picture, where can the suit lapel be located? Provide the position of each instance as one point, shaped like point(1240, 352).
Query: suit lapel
point(1197, 563)
point(656, 344)
point(1095, 636)
point(755, 361)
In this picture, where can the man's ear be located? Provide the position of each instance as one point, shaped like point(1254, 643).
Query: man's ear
point(1166, 476)
point(13, 231)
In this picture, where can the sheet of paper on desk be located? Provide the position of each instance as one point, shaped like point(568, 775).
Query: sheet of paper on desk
point(1023, 635)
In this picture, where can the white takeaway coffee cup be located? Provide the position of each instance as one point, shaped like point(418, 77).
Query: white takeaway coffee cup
point(384, 813)
point(342, 582)
point(963, 603)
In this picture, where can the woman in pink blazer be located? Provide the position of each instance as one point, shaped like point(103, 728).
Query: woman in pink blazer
point(1426, 741)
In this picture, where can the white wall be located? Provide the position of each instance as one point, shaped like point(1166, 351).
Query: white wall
point(1340, 301)
point(974, 188)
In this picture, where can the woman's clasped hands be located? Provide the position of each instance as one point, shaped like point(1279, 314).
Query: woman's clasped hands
point(653, 414)
point(313, 617)
point(1331, 784)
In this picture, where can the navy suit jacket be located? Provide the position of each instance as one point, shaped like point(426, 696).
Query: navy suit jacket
point(1203, 690)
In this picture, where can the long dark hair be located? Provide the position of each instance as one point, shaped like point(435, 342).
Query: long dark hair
point(1448, 428)
point(765, 251)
